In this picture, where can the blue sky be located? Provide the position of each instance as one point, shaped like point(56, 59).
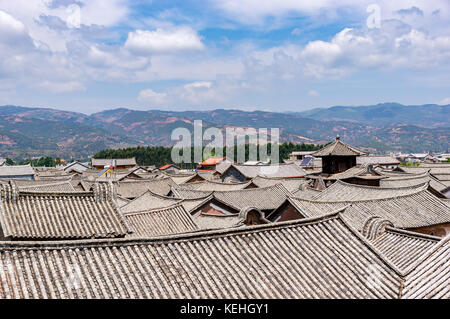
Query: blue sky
point(285, 55)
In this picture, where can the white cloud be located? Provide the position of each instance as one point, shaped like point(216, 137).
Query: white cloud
point(164, 41)
point(9, 24)
point(152, 98)
point(445, 101)
point(62, 87)
point(198, 85)
point(13, 33)
point(198, 93)
point(255, 11)
point(393, 47)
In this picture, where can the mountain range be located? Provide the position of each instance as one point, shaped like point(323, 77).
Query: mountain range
point(28, 132)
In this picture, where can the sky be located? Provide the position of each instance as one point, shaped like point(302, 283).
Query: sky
point(284, 55)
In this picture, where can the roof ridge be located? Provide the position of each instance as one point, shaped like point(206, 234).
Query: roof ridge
point(412, 234)
point(48, 184)
point(279, 178)
point(144, 180)
point(277, 185)
point(377, 187)
point(55, 193)
point(426, 255)
point(365, 200)
point(153, 193)
point(60, 244)
point(153, 210)
point(368, 244)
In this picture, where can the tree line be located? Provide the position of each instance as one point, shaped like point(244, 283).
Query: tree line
point(47, 161)
point(159, 155)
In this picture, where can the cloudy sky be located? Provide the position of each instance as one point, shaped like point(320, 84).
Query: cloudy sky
point(284, 55)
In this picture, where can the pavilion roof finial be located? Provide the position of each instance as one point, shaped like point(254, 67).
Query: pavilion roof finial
point(338, 137)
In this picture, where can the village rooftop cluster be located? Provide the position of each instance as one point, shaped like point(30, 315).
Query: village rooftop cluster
point(336, 223)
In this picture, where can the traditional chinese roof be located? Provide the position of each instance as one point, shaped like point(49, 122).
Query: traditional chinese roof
point(401, 247)
point(74, 215)
point(159, 222)
point(360, 171)
point(116, 161)
point(307, 193)
point(271, 171)
point(213, 221)
point(429, 276)
point(75, 166)
point(214, 186)
point(44, 186)
point(267, 198)
point(414, 210)
point(434, 169)
point(291, 184)
point(133, 189)
point(121, 201)
point(341, 191)
point(148, 201)
point(223, 166)
point(18, 170)
point(286, 260)
point(377, 160)
point(338, 148)
point(180, 179)
point(404, 180)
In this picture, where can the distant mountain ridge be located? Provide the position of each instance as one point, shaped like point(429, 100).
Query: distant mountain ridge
point(26, 132)
point(429, 115)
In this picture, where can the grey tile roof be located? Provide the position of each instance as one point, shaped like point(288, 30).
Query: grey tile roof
point(306, 193)
point(133, 189)
point(272, 171)
point(213, 221)
point(341, 191)
point(19, 170)
point(291, 184)
point(444, 178)
point(41, 216)
point(191, 203)
point(214, 186)
point(404, 181)
point(434, 169)
point(267, 198)
point(44, 186)
point(315, 258)
point(117, 161)
point(412, 210)
point(184, 193)
point(180, 179)
point(359, 171)
point(377, 160)
point(121, 201)
point(159, 222)
point(223, 166)
point(148, 201)
point(338, 148)
point(401, 247)
point(429, 277)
